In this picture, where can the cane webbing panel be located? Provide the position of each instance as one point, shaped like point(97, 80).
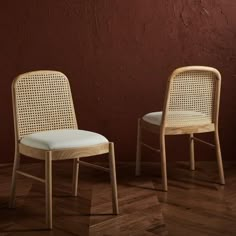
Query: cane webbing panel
point(191, 100)
point(43, 102)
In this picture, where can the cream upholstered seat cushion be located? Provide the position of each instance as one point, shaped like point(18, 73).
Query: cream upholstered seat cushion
point(178, 118)
point(62, 139)
point(153, 117)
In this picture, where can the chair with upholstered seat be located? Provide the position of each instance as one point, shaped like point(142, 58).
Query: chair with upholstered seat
point(46, 129)
point(191, 106)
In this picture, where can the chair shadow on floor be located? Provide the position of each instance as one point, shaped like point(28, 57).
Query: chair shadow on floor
point(180, 176)
point(72, 214)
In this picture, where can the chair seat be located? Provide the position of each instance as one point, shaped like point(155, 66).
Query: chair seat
point(153, 118)
point(186, 118)
point(62, 139)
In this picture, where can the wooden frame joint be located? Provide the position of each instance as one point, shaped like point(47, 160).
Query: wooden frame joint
point(94, 166)
point(202, 141)
point(30, 176)
point(148, 146)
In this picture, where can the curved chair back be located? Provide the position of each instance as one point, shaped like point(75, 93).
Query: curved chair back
point(42, 101)
point(192, 98)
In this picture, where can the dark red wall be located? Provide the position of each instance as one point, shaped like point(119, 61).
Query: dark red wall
point(118, 55)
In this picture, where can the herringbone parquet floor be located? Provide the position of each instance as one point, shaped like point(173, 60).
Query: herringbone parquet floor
point(194, 205)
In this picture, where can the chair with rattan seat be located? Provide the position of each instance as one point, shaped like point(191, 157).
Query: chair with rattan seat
point(191, 107)
point(46, 129)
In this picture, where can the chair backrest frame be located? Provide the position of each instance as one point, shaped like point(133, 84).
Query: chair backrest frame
point(42, 100)
point(215, 90)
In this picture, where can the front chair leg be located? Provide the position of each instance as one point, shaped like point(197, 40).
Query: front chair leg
point(138, 150)
point(112, 170)
point(48, 188)
point(163, 162)
point(192, 159)
point(219, 158)
point(75, 178)
point(13, 185)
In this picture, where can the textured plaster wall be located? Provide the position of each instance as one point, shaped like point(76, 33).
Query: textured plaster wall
point(118, 55)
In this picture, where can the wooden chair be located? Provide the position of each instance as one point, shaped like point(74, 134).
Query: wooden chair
point(46, 129)
point(191, 106)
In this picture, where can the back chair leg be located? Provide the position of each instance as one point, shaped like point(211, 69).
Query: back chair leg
point(13, 184)
point(163, 162)
point(192, 159)
point(219, 158)
point(75, 178)
point(48, 189)
point(112, 168)
point(138, 151)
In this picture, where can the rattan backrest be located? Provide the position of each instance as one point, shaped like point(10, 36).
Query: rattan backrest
point(193, 96)
point(42, 101)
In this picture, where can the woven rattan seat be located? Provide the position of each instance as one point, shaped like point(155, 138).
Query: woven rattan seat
point(191, 106)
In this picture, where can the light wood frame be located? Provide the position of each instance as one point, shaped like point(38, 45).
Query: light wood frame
point(48, 156)
point(167, 129)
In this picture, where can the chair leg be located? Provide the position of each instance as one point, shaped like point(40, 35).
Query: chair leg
point(219, 158)
point(163, 162)
point(112, 168)
point(48, 189)
point(75, 178)
point(192, 159)
point(138, 151)
point(13, 185)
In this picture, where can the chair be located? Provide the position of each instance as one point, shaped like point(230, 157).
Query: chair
point(191, 106)
point(46, 129)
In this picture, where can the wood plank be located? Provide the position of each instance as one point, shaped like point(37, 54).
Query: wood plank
point(195, 205)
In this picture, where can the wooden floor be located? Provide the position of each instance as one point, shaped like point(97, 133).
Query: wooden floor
point(194, 205)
